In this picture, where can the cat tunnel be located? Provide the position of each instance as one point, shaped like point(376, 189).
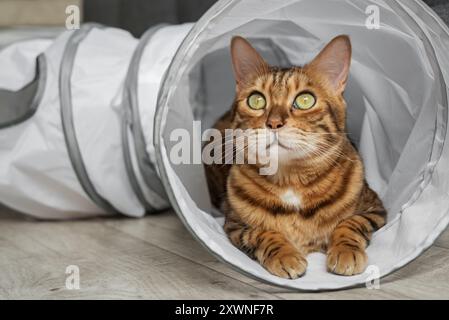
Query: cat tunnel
point(90, 122)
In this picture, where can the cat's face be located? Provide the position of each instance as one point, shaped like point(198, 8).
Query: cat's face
point(302, 110)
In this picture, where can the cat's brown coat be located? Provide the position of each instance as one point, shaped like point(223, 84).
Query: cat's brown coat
point(335, 210)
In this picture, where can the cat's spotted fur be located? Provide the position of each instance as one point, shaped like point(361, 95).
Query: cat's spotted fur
point(318, 200)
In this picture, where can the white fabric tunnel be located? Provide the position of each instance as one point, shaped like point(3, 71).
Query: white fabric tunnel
point(87, 119)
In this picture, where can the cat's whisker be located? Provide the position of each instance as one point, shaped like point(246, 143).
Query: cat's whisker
point(324, 145)
point(227, 141)
point(244, 148)
point(323, 153)
point(234, 143)
point(295, 131)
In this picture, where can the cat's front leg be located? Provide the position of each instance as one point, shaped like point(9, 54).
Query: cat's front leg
point(346, 251)
point(273, 251)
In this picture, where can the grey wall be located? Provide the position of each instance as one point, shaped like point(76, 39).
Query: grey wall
point(138, 15)
point(441, 7)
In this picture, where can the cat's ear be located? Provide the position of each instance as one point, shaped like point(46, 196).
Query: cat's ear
point(246, 61)
point(334, 62)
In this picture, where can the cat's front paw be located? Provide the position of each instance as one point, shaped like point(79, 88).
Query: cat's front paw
point(289, 265)
point(346, 261)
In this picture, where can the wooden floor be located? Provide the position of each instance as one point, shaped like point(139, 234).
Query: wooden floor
point(156, 258)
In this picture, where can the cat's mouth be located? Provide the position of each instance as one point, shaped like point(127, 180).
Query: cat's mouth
point(276, 142)
point(288, 145)
point(280, 145)
point(285, 145)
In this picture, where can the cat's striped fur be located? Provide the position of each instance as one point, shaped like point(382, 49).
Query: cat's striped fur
point(318, 200)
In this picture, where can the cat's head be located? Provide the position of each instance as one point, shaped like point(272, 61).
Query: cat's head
point(302, 108)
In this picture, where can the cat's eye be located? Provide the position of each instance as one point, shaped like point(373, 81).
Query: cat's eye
point(257, 101)
point(304, 101)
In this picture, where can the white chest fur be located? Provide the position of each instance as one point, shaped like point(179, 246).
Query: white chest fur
point(291, 198)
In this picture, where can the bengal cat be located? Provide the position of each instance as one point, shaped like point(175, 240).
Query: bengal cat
point(318, 200)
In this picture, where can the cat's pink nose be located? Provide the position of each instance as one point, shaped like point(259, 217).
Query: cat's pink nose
point(274, 124)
